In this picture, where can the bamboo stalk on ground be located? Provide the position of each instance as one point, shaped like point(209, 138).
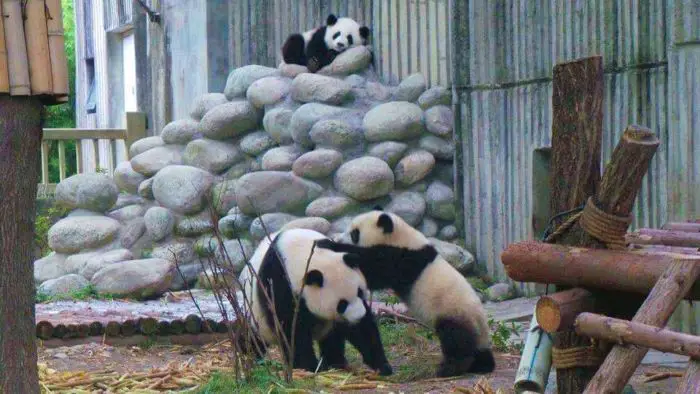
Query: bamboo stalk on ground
point(17, 62)
point(38, 54)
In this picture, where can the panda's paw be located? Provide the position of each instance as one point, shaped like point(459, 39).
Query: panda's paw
point(385, 370)
point(325, 244)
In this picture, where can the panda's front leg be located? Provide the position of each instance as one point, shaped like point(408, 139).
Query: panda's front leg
point(333, 349)
point(365, 337)
point(304, 355)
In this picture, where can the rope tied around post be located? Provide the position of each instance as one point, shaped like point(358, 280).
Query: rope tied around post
point(581, 356)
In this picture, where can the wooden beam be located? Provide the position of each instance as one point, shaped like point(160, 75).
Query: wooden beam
point(691, 379)
point(638, 334)
point(84, 134)
point(557, 312)
point(624, 271)
point(622, 361)
point(682, 226)
point(649, 236)
point(665, 249)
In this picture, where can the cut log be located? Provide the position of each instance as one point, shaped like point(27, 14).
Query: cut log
point(44, 330)
point(112, 329)
point(626, 332)
point(38, 53)
point(682, 226)
point(558, 311)
point(96, 329)
point(16, 43)
point(623, 271)
point(177, 327)
point(163, 328)
point(148, 326)
point(128, 328)
point(4, 72)
point(691, 379)
point(663, 299)
point(648, 236)
point(60, 331)
point(193, 324)
point(665, 249)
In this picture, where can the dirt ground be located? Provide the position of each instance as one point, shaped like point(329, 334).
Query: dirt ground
point(412, 367)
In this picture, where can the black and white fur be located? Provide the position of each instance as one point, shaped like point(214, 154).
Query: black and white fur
point(318, 47)
point(394, 255)
point(332, 308)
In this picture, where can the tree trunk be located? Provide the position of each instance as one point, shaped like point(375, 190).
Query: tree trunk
point(21, 121)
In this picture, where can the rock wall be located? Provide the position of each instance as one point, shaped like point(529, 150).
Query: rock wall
point(279, 145)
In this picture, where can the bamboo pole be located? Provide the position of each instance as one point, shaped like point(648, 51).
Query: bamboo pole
point(37, 35)
point(4, 72)
point(59, 64)
point(17, 62)
point(536, 361)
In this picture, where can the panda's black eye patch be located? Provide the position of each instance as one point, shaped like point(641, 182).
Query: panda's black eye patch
point(342, 306)
point(350, 39)
point(336, 35)
point(355, 236)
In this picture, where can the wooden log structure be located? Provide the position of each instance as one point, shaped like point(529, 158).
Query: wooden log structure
point(664, 249)
point(649, 236)
point(691, 379)
point(639, 334)
point(682, 226)
point(557, 312)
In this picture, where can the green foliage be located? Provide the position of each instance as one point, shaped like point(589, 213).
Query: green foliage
point(501, 334)
point(43, 222)
point(265, 378)
point(83, 294)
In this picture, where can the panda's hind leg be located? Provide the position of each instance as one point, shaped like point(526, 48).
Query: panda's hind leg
point(459, 350)
point(333, 350)
point(293, 50)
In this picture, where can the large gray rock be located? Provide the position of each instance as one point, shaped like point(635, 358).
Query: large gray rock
point(292, 70)
point(408, 205)
point(237, 252)
point(146, 278)
point(223, 196)
point(132, 232)
point(182, 188)
point(211, 155)
point(390, 151)
point(356, 81)
point(276, 123)
point(190, 272)
point(306, 116)
point(437, 95)
point(179, 132)
point(50, 267)
point(318, 163)
point(230, 120)
point(308, 88)
point(153, 160)
point(317, 224)
point(257, 143)
point(94, 192)
point(241, 78)
point(272, 222)
point(146, 189)
point(397, 120)
point(281, 158)
point(238, 170)
point(428, 227)
point(365, 178)
point(458, 257)
point(191, 226)
point(127, 199)
point(99, 261)
point(83, 212)
point(145, 144)
point(176, 251)
point(75, 263)
point(71, 235)
point(126, 178)
point(439, 120)
point(330, 207)
point(335, 133)
point(160, 223)
point(414, 167)
point(128, 213)
point(234, 223)
point(63, 286)
point(206, 102)
point(439, 147)
point(268, 91)
point(274, 191)
point(410, 88)
point(448, 233)
point(351, 61)
point(341, 225)
point(441, 201)
point(377, 91)
point(498, 292)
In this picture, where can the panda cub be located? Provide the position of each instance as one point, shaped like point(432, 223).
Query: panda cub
point(332, 308)
point(318, 47)
point(394, 255)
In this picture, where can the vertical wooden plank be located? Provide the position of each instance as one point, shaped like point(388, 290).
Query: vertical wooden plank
point(59, 64)
point(61, 160)
point(45, 162)
point(96, 155)
point(17, 62)
point(4, 72)
point(79, 156)
point(37, 36)
point(135, 128)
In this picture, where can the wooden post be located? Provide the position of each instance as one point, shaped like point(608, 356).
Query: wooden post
point(36, 32)
point(691, 380)
point(621, 362)
point(4, 72)
point(135, 128)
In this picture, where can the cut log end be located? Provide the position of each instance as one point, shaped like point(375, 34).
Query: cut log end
point(640, 135)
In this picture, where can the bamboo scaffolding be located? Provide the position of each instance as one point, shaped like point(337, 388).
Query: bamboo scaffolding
point(17, 62)
point(59, 64)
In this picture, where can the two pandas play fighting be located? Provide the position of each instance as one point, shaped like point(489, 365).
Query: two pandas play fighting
point(378, 251)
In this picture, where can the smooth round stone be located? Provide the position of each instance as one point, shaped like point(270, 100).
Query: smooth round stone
point(448, 233)
point(186, 276)
point(341, 225)
point(238, 170)
point(182, 188)
point(127, 213)
point(439, 120)
point(190, 226)
point(224, 196)
point(414, 167)
point(318, 163)
point(281, 158)
point(457, 256)
point(234, 223)
point(410, 88)
point(378, 92)
point(146, 189)
point(146, 278)
point(230, 120)
point(441, 201)
point(394, 121)
point(131, 233)
point(257, 143)
point(180, 251)
point(153, 160)
point(273, 222)
point(145, 144)
point(440, 148)
point(437, 95)
point(329, 207)
point(429, 227)
point(49, 267)
point(355, 81)
point(335, 133)
point(313, 223)
point(268, 91)
point(390, 151)
point(126, 178)
point(306, 116)
point(276, 122)
point(94, 192)
point(274, 191)
point(127, 199)
point(70, 235)
point(63, 286)
point(160, 223)
point(365, 178)
point(410, 206)
point(205, 103)
point(308, 88)
point(240, 79)
point(102, 260)
point(237, 252)
point(210, 155)
point(179, 132)
point(292, 70)
point(351, 61)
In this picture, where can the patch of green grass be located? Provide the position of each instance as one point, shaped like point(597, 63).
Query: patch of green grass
point(265, 378)
point(478, 283)
point(42, 224)
point(501, 333)
point(83, 294)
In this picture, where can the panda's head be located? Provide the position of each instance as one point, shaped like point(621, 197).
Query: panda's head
point(335, 290)
point(344, 33)
point(378, 227)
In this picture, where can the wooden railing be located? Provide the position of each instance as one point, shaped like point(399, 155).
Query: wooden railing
point(135, 130)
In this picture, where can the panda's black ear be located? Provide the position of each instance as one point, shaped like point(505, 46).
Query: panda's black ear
point(352, 260)
point(314, 278)
point(330, 21)
point(378, 208)
point(364, 32)
point(385, 223)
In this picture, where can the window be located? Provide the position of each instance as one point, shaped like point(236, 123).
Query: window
point(91, 102)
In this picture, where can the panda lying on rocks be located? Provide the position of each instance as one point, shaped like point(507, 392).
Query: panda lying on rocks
point(318, 47)
point(393, 255)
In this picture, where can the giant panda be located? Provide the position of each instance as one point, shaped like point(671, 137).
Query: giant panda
point(332, 309)
point(394, 255)
point(318, 47)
